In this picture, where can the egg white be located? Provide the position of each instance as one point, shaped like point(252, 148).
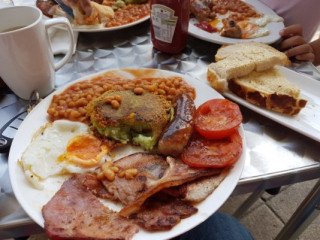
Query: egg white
point(262, 22)
point(39, 160)
point(260, 32)
point(265, 19)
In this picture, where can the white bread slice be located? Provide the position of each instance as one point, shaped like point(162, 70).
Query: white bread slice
point(253, 50)
point(240, 59)
point(269, 89)
point(219, 72)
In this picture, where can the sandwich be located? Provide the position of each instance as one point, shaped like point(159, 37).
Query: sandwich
point(250, 70)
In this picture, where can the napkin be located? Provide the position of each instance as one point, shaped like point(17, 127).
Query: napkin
point(59, 37)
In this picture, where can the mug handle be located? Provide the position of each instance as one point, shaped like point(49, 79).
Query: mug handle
point(64, 21)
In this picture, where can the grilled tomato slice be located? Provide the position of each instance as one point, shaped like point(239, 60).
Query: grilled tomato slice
point(202, 152)
point(217, 118)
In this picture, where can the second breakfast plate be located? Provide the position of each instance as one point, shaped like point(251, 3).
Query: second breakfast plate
point(32, 199)
point(91, 28)
point(273, 27)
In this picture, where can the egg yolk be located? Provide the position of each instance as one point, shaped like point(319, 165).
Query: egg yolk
point(214, 22)
point(84, 150)
point(248, 29)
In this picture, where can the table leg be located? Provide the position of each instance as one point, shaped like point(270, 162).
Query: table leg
point(305, 213)
point(247, 203)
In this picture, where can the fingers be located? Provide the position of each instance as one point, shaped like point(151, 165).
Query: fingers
point(86, 6)
point(292, 42)
point(305, 57)
point(70, 2)
point(292, 30)
point(302, 52)
point(294, 45)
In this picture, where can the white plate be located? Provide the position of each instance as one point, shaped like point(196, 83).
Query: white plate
point(32, 199)
point(274, 28)
point(307, 122)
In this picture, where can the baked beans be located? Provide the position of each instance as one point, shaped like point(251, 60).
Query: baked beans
point(127, 13)
point(241, 9)
point(71, 104)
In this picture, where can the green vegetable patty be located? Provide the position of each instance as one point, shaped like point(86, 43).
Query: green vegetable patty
point(138, 119)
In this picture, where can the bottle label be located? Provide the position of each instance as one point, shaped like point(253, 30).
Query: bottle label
point(163, 22)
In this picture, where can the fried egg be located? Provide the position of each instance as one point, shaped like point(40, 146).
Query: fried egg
point(251, 28)
point(265, 19)
point(61, 148)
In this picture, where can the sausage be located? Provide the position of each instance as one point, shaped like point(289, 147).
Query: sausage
point(178, 132)
point(231, 29)
point(201, 9)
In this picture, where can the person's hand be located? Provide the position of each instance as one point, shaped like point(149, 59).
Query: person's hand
point(294, 44)
point(84, 5)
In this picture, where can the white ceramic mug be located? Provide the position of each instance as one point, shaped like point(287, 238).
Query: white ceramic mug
point(26, 59)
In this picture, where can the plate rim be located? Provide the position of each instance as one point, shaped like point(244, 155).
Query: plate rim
point(231, 180)
point(109, 29)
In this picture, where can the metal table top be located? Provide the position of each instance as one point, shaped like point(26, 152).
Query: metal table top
point(276, 155)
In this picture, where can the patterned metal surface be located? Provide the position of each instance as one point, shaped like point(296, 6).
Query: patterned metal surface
point(276, 154)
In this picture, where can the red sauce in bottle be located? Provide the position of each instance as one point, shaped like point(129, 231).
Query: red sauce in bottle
point(169, 24)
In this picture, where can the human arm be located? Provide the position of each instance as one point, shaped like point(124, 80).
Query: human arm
point(294, 45)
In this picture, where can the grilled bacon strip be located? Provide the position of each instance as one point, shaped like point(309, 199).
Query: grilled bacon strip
point(199, 189)
point(162, 212)
point(151, 178)
point(75, 213)
point(151, 169)
point(159, 212)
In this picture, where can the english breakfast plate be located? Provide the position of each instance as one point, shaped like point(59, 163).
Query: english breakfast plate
point(273, 27)
point(307, 122)
point(32, 199)
point(88, 28)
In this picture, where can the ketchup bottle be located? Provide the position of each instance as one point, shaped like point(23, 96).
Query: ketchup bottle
point(169, 23)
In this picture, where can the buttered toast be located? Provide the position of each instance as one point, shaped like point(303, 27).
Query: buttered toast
point(269, 89)
point(259, 52)
point(247, 69)
point(240, 59)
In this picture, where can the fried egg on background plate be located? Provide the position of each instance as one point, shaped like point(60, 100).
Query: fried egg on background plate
point(61, 148)
point(251, 28)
